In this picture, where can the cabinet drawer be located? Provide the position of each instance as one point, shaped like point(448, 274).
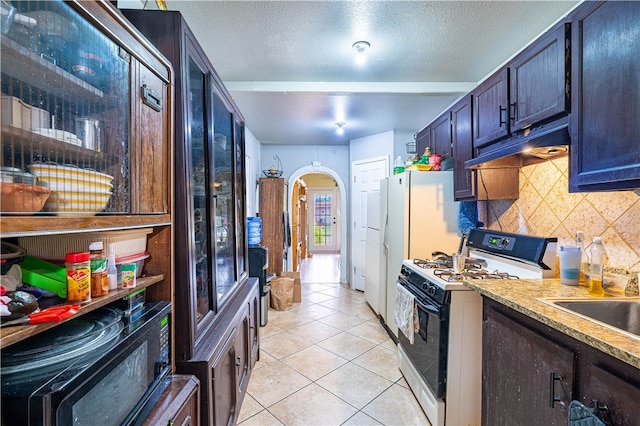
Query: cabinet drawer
point(178, 404)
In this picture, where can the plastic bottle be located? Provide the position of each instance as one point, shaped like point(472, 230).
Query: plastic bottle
point(398, 166)
point(112, 272)
point(78, 277)
point(99, 279)
point(596, 271)
point(583, 257)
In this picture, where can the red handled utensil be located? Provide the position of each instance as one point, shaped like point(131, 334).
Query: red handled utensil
point(52, 314)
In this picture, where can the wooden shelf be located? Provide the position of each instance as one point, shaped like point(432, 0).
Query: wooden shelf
point(21, 226)
point(14, 334)
point(45, 75)
point(19, 140)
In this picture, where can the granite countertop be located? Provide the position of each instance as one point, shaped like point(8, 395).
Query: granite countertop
point(523, 297)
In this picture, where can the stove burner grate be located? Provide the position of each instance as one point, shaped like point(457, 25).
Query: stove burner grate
point(472, 273)
point(445, 262)
point(440, 262)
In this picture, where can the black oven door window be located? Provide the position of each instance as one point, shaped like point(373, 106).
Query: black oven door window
point(428, 353)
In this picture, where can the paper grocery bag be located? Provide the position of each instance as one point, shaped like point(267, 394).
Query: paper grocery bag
point(282, 293)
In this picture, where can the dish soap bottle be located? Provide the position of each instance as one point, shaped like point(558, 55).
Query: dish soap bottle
point(398, 166)
point(596, 271)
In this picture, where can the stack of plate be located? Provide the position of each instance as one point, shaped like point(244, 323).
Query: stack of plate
point(74, 190)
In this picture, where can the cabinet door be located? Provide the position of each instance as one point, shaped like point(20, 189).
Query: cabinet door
point(254, 319)
point(193, 247)
point(66, 113)
point(225, 384)
point(605, 101)
point(490, 109)
point(619, 395)
point(461, 137)
point(539, 80)
point(150, 176)
point(423, 140)
point(517, 364)
point(242, 348)
point(240, 191)
point(441, 135)
point(222, 186)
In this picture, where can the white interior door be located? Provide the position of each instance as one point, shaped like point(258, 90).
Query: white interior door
point(365, 178)
point(322, 219)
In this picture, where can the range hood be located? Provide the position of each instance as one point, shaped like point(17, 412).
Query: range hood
point(532, 146)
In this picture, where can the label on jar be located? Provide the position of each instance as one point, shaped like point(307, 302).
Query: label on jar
point(99, 279)
point(128, 275)
point(79, 285)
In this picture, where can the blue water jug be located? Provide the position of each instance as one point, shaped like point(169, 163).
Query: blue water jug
point(254, 230)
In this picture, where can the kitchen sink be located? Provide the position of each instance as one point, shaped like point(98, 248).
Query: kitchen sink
point(619, 314)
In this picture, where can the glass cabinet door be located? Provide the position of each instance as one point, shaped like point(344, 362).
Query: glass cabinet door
point(240, 200)
point(201, 206)
point(65, 112)
point(223, 160)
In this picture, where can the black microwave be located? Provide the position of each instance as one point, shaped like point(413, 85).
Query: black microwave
point(101, 368)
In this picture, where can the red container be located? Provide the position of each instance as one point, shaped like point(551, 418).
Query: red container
point(435, 160)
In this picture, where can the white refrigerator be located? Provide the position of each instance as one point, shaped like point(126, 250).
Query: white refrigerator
point(375, 290)
point(421, 218)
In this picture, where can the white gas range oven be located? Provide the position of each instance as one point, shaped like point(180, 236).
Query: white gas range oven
point(443, 365)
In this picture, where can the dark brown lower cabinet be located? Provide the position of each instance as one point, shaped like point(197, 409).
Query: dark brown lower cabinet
point(531, 372)
point(516, 373)
point(224, 362)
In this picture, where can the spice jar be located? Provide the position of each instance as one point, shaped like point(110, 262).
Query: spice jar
point(98, 263)
point(78, 277)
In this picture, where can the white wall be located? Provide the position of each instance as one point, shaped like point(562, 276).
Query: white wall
point(254, 170)
point(298, 156)
point(392, 144)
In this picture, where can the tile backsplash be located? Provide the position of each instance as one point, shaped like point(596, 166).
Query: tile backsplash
point(546, 208)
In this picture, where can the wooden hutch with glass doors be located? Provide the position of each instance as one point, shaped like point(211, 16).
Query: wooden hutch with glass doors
point(87, 139)
point(216, 303)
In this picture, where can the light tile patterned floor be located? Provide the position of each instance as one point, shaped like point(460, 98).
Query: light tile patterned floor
point(327, 361)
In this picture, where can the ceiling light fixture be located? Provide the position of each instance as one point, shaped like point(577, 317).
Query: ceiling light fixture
point(361, 47)
point(340, 129)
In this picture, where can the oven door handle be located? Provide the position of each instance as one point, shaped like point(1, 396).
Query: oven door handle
point(428, 307)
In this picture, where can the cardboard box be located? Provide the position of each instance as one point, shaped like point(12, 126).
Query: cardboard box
point(297, 289)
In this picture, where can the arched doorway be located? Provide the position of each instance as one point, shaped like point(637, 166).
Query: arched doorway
point(343, 212)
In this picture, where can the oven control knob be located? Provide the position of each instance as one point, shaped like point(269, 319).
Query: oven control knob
point(431, 291)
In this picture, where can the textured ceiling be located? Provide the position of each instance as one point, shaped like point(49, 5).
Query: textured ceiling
point(290, 65)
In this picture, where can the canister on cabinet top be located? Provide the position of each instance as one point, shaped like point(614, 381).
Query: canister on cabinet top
point(78, 277)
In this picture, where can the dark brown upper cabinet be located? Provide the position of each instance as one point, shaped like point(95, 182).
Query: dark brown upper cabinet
point(210, 243)
point(436, 136)
point(605, 104)
point(423, 140)
point(539, 80)
point(532, 89)
point(491, 109)
point(464, 180)
point(441, 135)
